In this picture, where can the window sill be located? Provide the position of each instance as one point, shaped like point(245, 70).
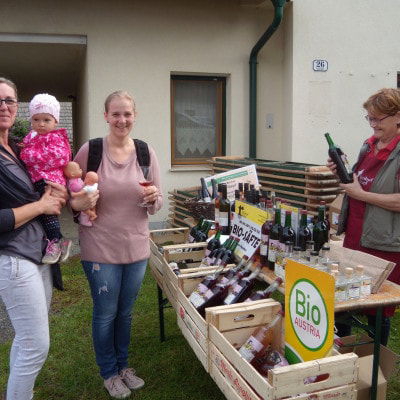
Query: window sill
point(188, 168)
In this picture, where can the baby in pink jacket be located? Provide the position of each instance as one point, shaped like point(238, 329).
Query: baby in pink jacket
point(45, 152)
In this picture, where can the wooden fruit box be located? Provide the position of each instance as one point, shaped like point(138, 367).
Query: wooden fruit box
point(230, 328)
point(192, 254)
point(193, 326)
point(157, 238)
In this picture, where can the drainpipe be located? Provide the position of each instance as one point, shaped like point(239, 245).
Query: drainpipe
point(278, 14)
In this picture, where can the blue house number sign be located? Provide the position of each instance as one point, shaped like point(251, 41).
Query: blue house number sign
point(320, 65)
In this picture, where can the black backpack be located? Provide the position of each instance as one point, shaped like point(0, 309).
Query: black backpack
point(96, 152)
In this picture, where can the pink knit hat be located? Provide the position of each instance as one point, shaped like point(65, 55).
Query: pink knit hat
point(44, 104)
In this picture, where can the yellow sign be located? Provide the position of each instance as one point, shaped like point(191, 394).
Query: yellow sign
point(252, 213)
point(309, 319)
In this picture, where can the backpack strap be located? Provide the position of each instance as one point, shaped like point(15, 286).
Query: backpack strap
point(142, 152)
point(95, 154)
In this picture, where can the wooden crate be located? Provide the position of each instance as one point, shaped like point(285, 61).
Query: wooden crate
point(179, 212)
point(193, 326)
point(229, 329)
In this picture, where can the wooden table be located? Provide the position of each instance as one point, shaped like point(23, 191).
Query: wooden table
point(388, 295)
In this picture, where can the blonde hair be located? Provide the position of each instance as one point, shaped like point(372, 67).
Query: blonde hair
point(11, 84)
point(120, 94)
point(385, 101)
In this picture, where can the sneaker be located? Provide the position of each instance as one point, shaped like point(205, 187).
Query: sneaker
point(131, 380)
point(116, 388)
point(53, 252)
point(65, 245)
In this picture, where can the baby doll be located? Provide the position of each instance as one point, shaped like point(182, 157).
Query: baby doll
point(76, 185)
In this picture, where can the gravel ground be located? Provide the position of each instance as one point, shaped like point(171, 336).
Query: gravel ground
point(69, 230)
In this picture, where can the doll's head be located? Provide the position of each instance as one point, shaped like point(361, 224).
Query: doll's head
point(44, 113)
point(91, 178)
point(72, 170)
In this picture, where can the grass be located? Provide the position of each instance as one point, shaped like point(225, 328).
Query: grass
point(170, 369)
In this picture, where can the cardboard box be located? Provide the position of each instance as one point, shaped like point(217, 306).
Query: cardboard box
point(387, 364)
point(334, 212)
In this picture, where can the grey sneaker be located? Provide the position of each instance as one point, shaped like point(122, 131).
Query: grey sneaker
point(116, 387)
point(131, 380)
point(65, 245)
point(53, 252)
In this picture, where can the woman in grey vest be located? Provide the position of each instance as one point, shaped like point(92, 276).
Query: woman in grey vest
point(370, 214)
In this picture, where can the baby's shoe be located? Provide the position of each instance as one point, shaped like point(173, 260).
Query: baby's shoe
point(53, 252)
point(65, 245)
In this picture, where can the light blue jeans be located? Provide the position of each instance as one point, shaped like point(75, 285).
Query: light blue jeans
point(26, 290)
point(114, 289)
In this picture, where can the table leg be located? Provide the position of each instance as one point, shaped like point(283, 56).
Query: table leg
point(377, 345)
point(161, 313)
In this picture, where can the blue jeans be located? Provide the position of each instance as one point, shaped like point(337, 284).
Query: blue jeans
point(114, 289)
point(26, 290)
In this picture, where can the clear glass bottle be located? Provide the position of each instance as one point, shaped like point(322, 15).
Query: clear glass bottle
point(340, 287)
point(324, 256)
point(365, 281)
point(353, 284)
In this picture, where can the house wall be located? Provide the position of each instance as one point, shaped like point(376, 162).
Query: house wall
point(136, 45)
point(359, 39)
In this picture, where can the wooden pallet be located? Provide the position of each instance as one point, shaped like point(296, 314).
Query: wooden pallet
point(301, 185)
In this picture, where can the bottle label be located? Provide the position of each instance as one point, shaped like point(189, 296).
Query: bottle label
point(353, 291)
point(231, 296)
point(208, 295)
point(207, 252)
point(366, 288)
point(210, 260)
point(216, 214)
point(263, 250)
point(280, 253)
point(272, 249)
point(224, 218)
point(223, 280)
point(191, 238)
point(340, 293)
point(279, 271)
point(250, 348)
point(196, 299)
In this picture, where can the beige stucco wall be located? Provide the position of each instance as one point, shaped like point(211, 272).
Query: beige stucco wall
point(135, 45)
point(359, 39)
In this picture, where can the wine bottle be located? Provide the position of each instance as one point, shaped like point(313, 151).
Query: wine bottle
point(265, 231)
point(339, 158)
point(216, 203)
point(320, 230)
point(214, 193)
point(241, 191)
point(217, 254)
point(304, 232)
point(202, 233)
point(233, 271)
point(205, 195)
point(193, 231)
point(259, 341)
point(215, 295)
point(274, 236)
point(197, 295)
point(288, 235)
point(213, 243)
point(224, 211)
point(242, 288)
point(230, 251)
point(265, 294)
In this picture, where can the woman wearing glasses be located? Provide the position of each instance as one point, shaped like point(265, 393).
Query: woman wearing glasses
point(25, 284)
point(370, 214)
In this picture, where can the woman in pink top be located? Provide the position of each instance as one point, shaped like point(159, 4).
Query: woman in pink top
point(115, 249)
point(45, 152)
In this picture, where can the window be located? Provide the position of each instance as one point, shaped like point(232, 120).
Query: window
point(197, 119)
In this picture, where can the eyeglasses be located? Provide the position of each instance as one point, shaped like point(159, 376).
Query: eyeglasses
point(9, 102)
point(374, 121)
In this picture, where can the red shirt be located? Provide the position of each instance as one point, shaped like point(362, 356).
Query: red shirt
point(366, 172)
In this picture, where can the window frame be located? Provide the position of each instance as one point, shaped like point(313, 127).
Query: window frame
point(220, 117)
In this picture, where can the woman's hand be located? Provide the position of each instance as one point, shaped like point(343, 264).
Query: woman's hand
point(354, 189)
point(50, 204)
point(58, 191)
point(83, 200)
point(331, 165)
point(150, 194)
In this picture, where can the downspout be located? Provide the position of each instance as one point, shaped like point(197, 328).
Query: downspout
point(278, 14)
